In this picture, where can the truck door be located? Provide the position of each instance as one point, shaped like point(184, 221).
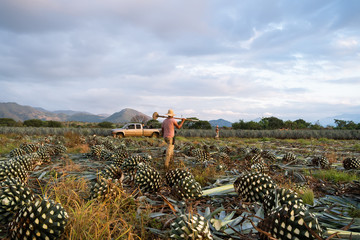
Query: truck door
point(130, 130)
point(139, 131)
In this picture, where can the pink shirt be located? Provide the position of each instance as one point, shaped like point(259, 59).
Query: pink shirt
point(168, 126)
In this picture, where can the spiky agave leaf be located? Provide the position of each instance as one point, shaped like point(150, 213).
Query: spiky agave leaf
point(41, 219)
point(14, 194)
point(190, 226)
point(254, 186)
point(290, 222)
point(336, 212)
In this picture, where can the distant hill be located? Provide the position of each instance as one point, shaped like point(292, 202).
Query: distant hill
point(330, 121)
point(125, 116)
point(220, 122)
point(83, 117)
point(69, 112)
point(21, 113)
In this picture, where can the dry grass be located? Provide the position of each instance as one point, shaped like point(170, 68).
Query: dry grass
point(79, 148)
point(110, 218)
point(204, 175)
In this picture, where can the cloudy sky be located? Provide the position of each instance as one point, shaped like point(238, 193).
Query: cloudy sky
point(209, 59)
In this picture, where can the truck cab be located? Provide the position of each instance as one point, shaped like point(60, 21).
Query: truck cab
point(135, 130)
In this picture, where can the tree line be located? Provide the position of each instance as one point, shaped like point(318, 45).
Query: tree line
point(271, 123)
point(268, 123)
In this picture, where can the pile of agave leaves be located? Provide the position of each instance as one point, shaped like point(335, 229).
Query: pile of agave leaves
point(229, 217)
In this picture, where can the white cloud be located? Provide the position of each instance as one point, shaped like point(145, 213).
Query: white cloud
point(202, 58)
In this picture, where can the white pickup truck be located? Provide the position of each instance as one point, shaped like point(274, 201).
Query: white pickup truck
point(135, 130)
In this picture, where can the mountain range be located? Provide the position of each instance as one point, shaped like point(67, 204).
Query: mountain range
point(22, 113)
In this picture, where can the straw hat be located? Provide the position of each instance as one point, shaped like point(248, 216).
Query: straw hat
point(170, 113)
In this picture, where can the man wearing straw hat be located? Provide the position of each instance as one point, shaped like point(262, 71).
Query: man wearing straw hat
point(168, 131)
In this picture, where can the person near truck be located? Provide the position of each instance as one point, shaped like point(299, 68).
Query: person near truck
point(168, 130)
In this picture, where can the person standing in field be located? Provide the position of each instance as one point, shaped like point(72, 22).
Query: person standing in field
point(217, 131)
point(168, 131)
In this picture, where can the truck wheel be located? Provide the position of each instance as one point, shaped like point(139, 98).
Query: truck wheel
point(155, 135)
point(120, 135)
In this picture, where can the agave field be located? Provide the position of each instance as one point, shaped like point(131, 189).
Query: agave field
point(78, 185)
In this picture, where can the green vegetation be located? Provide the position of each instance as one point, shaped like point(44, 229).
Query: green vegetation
point(106, 125)
point(354, 212)
point(335, 175)
point(270, 123)
point(153, 124)
point(196, 125)
point(356, 147)
point(113, 217)
point(308, 196)
point(9, 122)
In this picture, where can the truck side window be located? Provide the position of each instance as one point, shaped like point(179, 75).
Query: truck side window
point(131, 127)
point(138, 126)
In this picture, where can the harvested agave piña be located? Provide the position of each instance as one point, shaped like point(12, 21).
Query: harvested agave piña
point(147, 178)
point(175, 175)
point(320, 161)
point(268, 155)
point(14, 194)
point(28, 161)
point(190, 226)
point(29, 147)
point(13, 169)
point(201, 155)
point(183, 184)
point(111, 171)
point(254, 186)
point(130, 164)
point(280, 196)
point(16, 152)
point(290, 222)
point(289, 157)
point(258, 167)
point(225, 149)
point(59, 149)
point(351, 163)
point(41, 219)
point(119, 156)
point(105, 188)
point(187, 188)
